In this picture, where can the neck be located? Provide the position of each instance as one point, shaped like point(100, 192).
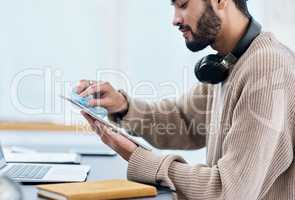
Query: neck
point(231, 34)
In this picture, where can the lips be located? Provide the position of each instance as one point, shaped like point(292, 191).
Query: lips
point(185, 30)
point(185, 34)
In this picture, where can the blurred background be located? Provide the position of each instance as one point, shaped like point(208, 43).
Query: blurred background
point(46, 46)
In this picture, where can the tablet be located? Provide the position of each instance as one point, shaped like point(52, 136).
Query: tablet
point(111, 126)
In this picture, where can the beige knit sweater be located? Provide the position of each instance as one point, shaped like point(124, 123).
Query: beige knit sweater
point(247, 124)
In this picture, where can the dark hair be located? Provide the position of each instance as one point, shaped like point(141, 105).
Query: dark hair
point(242, 6)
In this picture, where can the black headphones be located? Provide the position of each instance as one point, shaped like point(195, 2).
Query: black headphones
point(214, 68)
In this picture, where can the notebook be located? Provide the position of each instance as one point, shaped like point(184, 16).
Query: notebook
point(97, 190)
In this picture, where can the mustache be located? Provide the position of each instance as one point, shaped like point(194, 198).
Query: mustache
point(183, 27)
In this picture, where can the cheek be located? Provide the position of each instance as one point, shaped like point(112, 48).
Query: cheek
point(193, 13)
point(192, 21)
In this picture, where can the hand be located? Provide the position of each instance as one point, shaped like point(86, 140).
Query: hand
point(117, 142)
point(104, 95)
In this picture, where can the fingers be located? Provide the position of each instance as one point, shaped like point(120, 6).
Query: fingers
point(92, 89)
point(106, 135)
point(98, 88)
point(102, 102)
point(90, 120)
point(83, 85)
point(88, 117)
point(117, 142)
point(101, 130)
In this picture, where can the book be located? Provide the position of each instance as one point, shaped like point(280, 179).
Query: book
point(96, 190)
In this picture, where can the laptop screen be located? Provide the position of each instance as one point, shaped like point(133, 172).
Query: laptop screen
point(2, 159)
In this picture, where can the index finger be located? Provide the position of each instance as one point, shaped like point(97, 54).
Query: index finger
point(98, 88)
point(83, 85)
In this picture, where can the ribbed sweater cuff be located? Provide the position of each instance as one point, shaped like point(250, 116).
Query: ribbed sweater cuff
point(145, 166)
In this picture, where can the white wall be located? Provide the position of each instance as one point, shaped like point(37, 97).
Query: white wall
point(61, 40)
point(279, 17)
point(152, 51)
point(65, 40)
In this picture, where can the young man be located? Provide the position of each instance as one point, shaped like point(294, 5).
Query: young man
point(246, 122)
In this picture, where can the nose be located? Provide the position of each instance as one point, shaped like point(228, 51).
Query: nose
point(177, 20)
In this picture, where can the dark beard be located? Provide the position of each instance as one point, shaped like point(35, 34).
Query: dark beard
point(208, 28)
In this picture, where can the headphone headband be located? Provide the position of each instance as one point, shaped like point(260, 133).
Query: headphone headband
point(253, 30)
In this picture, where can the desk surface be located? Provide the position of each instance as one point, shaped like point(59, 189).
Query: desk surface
point(101, 168)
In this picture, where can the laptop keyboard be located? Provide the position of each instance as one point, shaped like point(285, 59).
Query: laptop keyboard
point(28, 171)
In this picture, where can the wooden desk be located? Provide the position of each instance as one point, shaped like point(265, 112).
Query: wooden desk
point(41, 126)
point(102, 167)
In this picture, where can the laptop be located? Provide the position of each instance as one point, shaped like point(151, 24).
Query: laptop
point(42, 173)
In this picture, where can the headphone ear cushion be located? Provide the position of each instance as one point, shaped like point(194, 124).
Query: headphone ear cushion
point(210, 69)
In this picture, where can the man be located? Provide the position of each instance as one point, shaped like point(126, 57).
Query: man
point(246, 122)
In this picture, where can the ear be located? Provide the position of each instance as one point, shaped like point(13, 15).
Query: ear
point(221, 4)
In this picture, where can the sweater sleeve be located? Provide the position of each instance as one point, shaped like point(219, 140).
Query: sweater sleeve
point(170, 124)
point(257, 148)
